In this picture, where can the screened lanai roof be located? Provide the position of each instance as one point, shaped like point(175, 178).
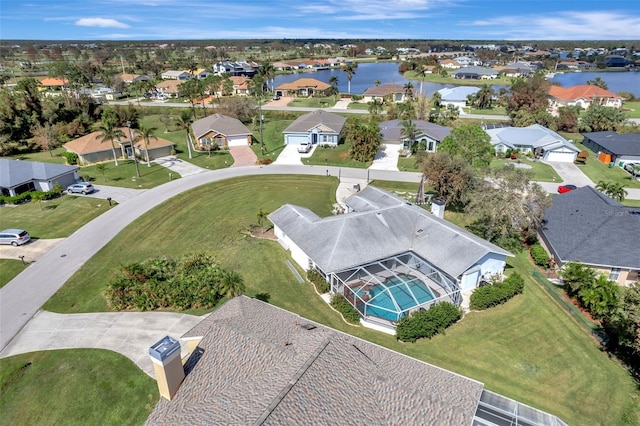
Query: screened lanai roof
point(381, 225)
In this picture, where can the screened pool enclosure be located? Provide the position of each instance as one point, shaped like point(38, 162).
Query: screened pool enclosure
point(387, 290)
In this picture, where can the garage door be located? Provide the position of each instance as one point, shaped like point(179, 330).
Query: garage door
point(295, 139)
point(237, 141)
point(564, 157)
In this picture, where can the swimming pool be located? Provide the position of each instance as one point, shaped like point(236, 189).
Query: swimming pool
point(391, 299)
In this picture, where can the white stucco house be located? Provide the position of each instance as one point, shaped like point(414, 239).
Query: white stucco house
point(386, 256)
point(317, 127)
point(544, 143)
point(457, 96)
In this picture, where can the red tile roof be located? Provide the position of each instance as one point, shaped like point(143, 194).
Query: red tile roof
point(583, 91)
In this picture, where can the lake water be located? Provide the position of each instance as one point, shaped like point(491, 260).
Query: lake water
point(622, 81)
point(387, 73)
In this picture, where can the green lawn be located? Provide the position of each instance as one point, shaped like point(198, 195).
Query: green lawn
point(74, 387)
point(437, 78)
point(44, 157)
point(527, 349)
point(632, 109)
point(273, 138)
point(631, 203)
point(541, 172)
point(490, 111)
point(408, 164)
point(57, 218)
point(334, 156)
point(124, 174)
point(358, 105)
point(597, 171)
point(313, 102)
point(9, 268)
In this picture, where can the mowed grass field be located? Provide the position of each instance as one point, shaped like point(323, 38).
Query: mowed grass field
point(527, 349)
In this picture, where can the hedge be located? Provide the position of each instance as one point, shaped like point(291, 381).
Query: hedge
point(341, 305)
point(321, 285)
point(25, 197)
point(427, 323)
point(496, 294)
point(539, 255)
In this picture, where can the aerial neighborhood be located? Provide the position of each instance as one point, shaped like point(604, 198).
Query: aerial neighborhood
point(320, 231)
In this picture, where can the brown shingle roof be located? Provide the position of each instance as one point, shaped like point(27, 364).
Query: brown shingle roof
point(383, 90)
point(92, 143)
point(301, 83)
point(219, 123)
point(258, 365)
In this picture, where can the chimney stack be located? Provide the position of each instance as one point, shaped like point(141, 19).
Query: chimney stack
point(167, 364)
point(437, 207)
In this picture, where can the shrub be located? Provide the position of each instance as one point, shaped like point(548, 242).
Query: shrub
point(349, 313)
point(539, 255)
point(264, 161)
point(318, 281)
point(71, 157)
point(496, 294)
point(427, 323)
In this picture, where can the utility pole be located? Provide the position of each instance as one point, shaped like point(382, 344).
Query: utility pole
point(261, 118)
point(133, 148)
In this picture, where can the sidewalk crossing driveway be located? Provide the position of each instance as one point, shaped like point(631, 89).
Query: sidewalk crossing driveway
point(128, 333)
point(387, 157)
point(183, 168)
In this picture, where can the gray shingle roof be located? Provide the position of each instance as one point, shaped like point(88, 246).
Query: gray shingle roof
point(617, 143)
point(475, 70)
point(222, 124)
point(392, 130)
point(258, 365)
point(585, 226)
point(385, 225)
point(16, 172)
point(535, 135)
point(457, 94)
point(332, 122)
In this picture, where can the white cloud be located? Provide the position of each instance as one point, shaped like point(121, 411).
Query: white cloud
point(101, 22)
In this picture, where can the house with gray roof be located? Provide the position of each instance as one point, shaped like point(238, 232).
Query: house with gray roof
point(537, 139)
point(176, 75)
point(428, 136)
point(17, 176)
point(253, 363)
point(392, 92)
point(475, 73)
point(317, 128)
point(586, 226)
point(386, 256)
point(623, 147)
point(220, 130)
point(457, 96)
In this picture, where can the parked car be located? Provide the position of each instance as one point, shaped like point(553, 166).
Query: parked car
point(566, 188)
point(633, 168)
point(304, 147)
point(80, 188)
point(15, 237)
point(276, 97)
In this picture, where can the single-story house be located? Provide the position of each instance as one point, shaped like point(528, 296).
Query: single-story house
point(451, 64)
point(241, 85)
point(394, 92)
point(619, 148)
point(92, 149)
point(537, 139)
point(134, 78)
point(615, 61)
point(176, 75)
point(475, 73)
point(428, 134)
point(53, 83)
point(221, 130)
point(586, 226)
point(201, 73)
point(169, 88)
point(516, 69)
point(303, 87)
point(317, 127)
point(582, 95)
point(281, 66)
point(382, 242)
point(17, 176)
point(457, 96)
point(252, 363)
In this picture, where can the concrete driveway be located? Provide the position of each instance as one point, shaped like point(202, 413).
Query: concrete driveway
point(128, 333)
point(387, 157)
point(31, 251)
point(115, 193)
point(570, 174)
point(291, 156)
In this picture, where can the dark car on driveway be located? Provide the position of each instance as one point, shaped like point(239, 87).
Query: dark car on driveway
point(566, 188)
point(80, 188)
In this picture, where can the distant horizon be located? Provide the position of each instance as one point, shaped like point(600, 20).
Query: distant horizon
point(183, 20)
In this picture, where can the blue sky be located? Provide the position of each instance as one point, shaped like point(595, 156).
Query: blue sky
point(262, 19)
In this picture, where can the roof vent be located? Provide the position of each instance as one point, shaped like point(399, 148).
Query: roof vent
point(308, 326)
point(420, 231)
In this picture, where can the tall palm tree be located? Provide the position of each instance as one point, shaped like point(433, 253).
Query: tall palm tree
point(231, 284)
point(612, 189)
point(268, 72)
point(110, 133)
point(350, 69)
point(375, 107)
point(145, 134)
point(409, 131)
point(408, 90)
point(184, 123)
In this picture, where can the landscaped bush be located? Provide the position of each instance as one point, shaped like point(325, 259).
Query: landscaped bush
point(29, 195)
point(193, 282)
point(340, 304)
point(498, 293)
point(71, 157)
point(427, 323)
point(318, 281)
point(539, 255)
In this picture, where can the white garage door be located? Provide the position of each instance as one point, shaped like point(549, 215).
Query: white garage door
point(564, 157)
point(295, 139)
point(237, 141)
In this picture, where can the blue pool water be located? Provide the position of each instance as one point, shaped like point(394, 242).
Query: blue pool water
point(406, 291)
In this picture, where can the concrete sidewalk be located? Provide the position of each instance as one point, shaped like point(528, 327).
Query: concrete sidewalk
point(387, 157)
point(183, 168)
point(128, 333)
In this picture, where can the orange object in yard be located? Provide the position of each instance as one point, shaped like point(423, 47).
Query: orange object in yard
point(604, 157)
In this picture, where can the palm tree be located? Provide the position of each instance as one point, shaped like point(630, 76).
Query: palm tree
point(350, 69)
point(231, 284)
point(145, 134)
point(408, 90)
point(268, 72)
point(261, 217)
point(599, 83)
point(410, 132)
point(612, 189)
point(375, 107)
point(377, 83)
point(101, 167)
point(184, 123)
point(110, 133)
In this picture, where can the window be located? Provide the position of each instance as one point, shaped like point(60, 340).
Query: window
point(614, 275)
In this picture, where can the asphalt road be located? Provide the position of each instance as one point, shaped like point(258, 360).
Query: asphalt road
point(21, 298)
